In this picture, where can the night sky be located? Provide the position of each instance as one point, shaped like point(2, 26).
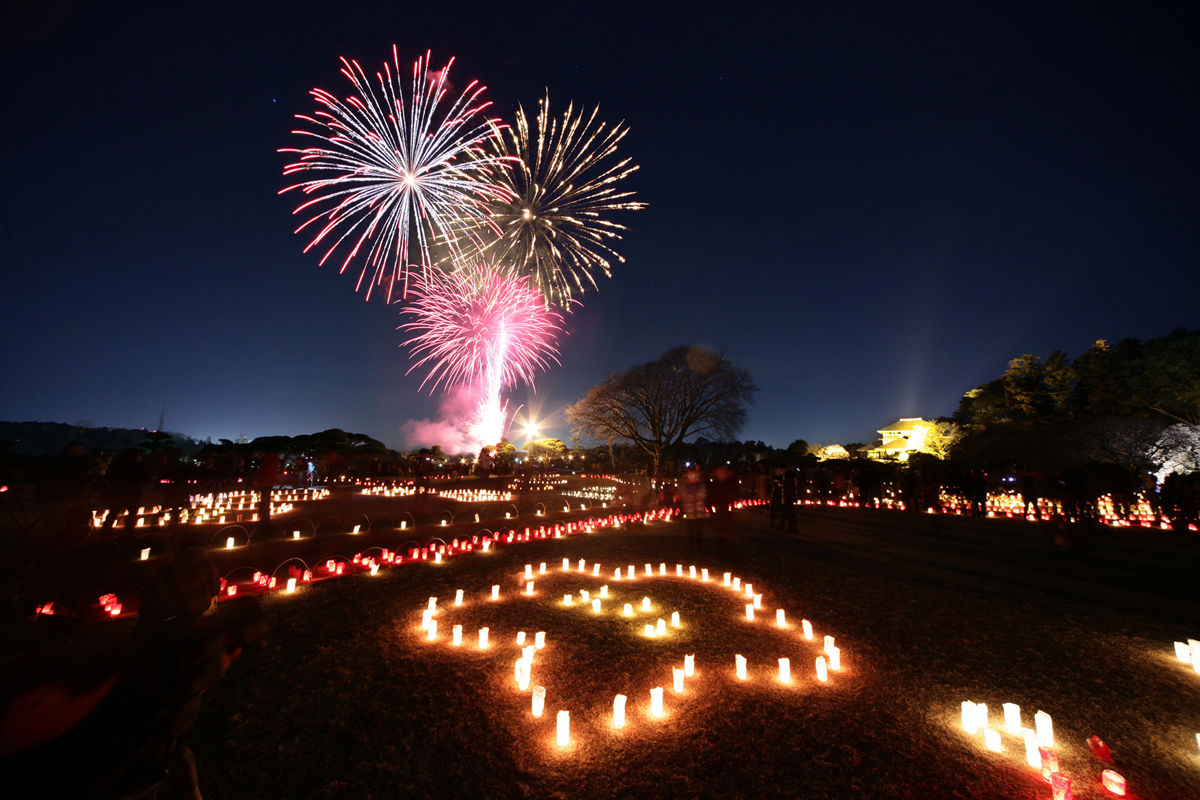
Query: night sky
point(873, 207)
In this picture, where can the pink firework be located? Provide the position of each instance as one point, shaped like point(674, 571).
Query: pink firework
point(482, 329)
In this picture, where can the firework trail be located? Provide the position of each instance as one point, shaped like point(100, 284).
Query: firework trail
point(482, 328)
point(550, 221)
point(386, 165)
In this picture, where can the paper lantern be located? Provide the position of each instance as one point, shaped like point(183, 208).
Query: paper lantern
point(619, 711)
point(1183, 652)
point(835, 658)
point(522, 673)
point(692, 572)
point(991, 740)
point(1012, 718)
point(737, 584)
point(779, 621)
point(596, 571)
point(758, 601)
point(568, 599)
point(295, 534)
point(432, 604)
point(496, 592)
point(527, 653)
point(677, 674)
point(437, 558)
point(596, 606)
point(542, 569)
point(483, 638)
point(529, 588)
point(656, 706)
point(1060, 787)
point(1113, 781)
point(749, 591)
point(1045, 728)
point(585, 596)
point(679, 571)
point(432, 629)
point(457, 635)
point(631, 573)
point(228, 542)
point(291, 586)
point(604, 592)
point(649, 630)
point(660, 628)
point(808, 631)
point(822, 675)
point(727, 577)
point(674, 619)
point(145, 553)
point(981, 716)
point(617, 574)
point(1049, 762)
point(458, 597)
point(968, 716)
point(828, 643)
point(232, 590)
point(539, 700)
point(1032, 757)
point(528, 571)
point(581, 562)
point(520, 638)
point(628, 611)
point(539, 640)
point(426, 616)
point(645, 604)
point(785, 670)
point(689, 666)
point(649, 570)
point(750, 611)
point(741, 667)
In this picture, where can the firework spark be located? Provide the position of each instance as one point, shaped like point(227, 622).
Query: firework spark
point(390, 166)
point(550, 222)
point(483, 328)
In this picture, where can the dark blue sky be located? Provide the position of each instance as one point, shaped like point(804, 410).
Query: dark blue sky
point(871, 206)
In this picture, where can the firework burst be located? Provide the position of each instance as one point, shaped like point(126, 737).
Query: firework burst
point(387, 166)
point(550, 222)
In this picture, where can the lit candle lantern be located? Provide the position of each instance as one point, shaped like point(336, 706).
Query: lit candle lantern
point(539, 700)
point(527, 653)
point(542, 569)
point(645, 604)
point(596, 606)
point(566, 564)
point(596, 571)
point(295, 534)
point(619, 711)
point(737, 584)
point(679, 571)
point(835, 658)
point(529, 588)
point(229, 542)
point(528, 571)
point(617, 574)
point(433, 604)
point(1045, 728)
point(496, 592)
point(1060, 787)
point(828, 643)
point(649, 570)
point(483, 638)
point(539, 640)
point(704, 575)
point(457, 635)
point(677, 673)
point(581, 562)
point(662, 569)
point(1183, 652)
point(567, 599)
point(374, 569)
point(604, 592)
point(432, 629)
point(1012, 718)
point(785, 670)
point(689, 665)
point(585, 595)
point(426, 617)
point(758, 601)
point(808, 631)
point(660, 628)
point(1032, 757)
point(740, 661)
point(674, 619)
point(1113, 781)
point(631, 573)
point(291, 586)
point(692, 571)
point(522, 674)
point(822, 675)
point(146, 554)
point(750, 611)
point(656, 705)
point(649, 630)
point(458, 597)
point(728, 575)
point(779, 620)
point(749, 591)
point(1049, 762)
point(981, 716)
point(628, 610)
point(520, 638)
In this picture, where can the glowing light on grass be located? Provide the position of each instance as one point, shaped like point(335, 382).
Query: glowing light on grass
point(1045, 728)
point(539, 640)
point(822, 674)
point(433, 604)
point(737, 584)
point(539, 700)
point(542, 569)
point(527, 653)
point(808, 631)
point(1183, 652)
point(619, 711)
point(631, 572)
point(656, 703)
point(689, 669)
point(674, 619)
point(457, 629)
point(662, 569)
point(785, 670)
point(229, 543)
point(740, 661)
point(145, 556)
point(1113, 782)
point(564, 728)
point(645, 604)
point(1012, 718)
point(679, 571)
point(483, 638)
point(585, 596)
point(566, 565)
point(581, 562)
point(437, 558)
point(496, 592)
point(991, 740)
point(758, 601)
point(617, 574)
point(649, 570)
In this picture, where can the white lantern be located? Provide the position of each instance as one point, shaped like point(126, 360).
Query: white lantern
point(619, 711)
point(645, 604)
point(528, 571)
point(677, 673)
point(649, 570)
point(631, 572)
point(1183, 652)
point(968, 716)
point(596, 606)
point(604, 592)
point(704, 575)
point(749, 591)
point(527, 653)
point(728, 575)
point(520, 638)
point(426, 618)
point(758, 601)
point(432, 629)
point(291, 585)
point(649, 630)
point(750, 611)
point(808, 631)
point(689, 665)
point(741, 667)
point(991, 738)
point(737, 584)
point(229, 541)
point(596, 571)
point(564, 728)
point(566, 565)
point(835, 658)
point(295, 534)
point(539, 640)
point(458, 597)
point(496, 592)
point(585, 596)
point(981, 716)
point(542, 569)
point(432, 604)
point(679, 570)
point(779, 621)
point(660, 628)
point(529, 588)
point(522, 674)
point(145, 552)
point(822, 675)
point(828, 643)
point(785, 670)
point(457, 635)
point(437, 558)
point(581, 565)
point(1012, 718)
point(1032, 756)
point(568, 599)
point(617, 574)
point(656, 706)
point(483, 638)
point(692, 571)
point(674, 619)
point(662, 569)
point(1045, 728)
point(539, 700)
point(628, 611)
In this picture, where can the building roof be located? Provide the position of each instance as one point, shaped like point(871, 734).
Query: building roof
point(895, 444)
point(909, 424)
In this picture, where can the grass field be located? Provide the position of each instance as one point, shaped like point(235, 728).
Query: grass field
point(347, 698)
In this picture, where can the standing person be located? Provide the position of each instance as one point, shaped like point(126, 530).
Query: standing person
point(776, 500)
point(264, 481)
point(692, 497)
point(722, 493)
